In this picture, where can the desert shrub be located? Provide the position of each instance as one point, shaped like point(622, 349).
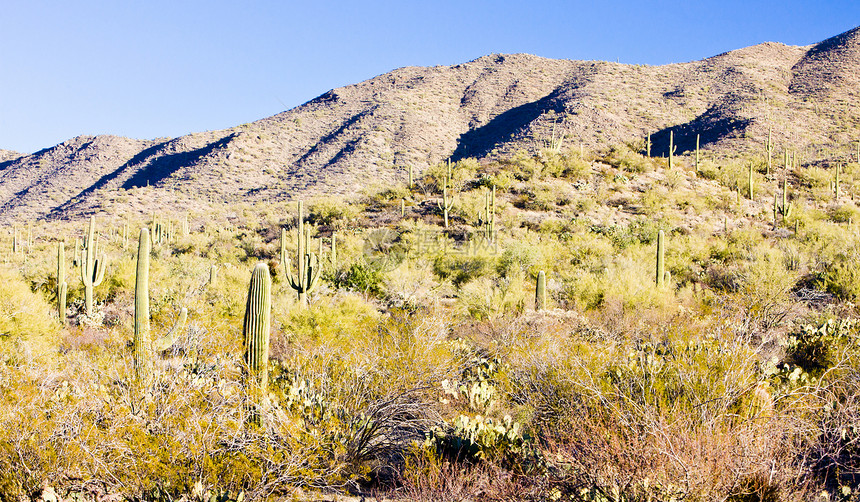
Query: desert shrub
point(360, 277)
point(486, 298)
point(26, 319)
point(624, 158)
point(844, 213)
point(462, 268)
point(338, 214)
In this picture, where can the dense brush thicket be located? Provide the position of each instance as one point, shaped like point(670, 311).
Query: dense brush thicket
point(417, 367)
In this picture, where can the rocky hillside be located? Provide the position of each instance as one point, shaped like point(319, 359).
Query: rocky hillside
point(364, 134)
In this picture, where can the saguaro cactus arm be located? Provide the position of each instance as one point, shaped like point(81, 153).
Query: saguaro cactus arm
point(92, 265)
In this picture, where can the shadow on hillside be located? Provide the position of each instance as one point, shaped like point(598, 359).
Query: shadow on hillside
point(480, 141)
point(164, 166)
point(150, 169)
point(711, 126)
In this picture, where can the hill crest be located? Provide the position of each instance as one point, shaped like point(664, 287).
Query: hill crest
point(365, 134)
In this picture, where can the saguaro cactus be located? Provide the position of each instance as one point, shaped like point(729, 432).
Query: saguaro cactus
point(92, 265)
point(446, 203)
point(648, 146)
point(540, 291)
point(62, 287)
point(142, 348)
point(213, 276)
point(786, 208)
point(661, 259)
point(490, 214)
point(256, 329)
point(750, 182)
point(333, 252)
point(671, 149)
point(697, 153)
point(308, 266)
point(836, 184)
point(769, 148)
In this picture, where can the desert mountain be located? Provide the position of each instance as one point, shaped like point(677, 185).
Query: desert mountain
point(366, 133)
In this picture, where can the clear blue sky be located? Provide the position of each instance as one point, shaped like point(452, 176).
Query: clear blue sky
point(154, 68)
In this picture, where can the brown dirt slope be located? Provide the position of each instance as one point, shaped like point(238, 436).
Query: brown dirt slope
point(364, 134)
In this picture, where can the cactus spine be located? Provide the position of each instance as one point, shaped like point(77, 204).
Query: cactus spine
point(142, 348)
point(540, 291)
point(256, 329)
point(62, 286)
point(92, 265)
point(308, 266)
point(661, 259)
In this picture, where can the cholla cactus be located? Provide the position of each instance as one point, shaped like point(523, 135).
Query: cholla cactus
point(92, 265)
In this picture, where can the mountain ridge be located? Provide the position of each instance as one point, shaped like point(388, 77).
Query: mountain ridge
point(364, 134)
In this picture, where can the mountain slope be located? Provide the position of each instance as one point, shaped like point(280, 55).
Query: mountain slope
point(366, 133)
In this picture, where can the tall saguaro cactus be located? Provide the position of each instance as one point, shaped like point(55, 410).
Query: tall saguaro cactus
point(142, 348)
point(62, 286)
point(92, 265)
point(307, 267)
point(540, 291)
point(671, 149)
point(769, 148)
point(256, 329)
point(750, 182)
point(446, 203)
point(490, 214)
point(697, 152)
point(661, 259)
